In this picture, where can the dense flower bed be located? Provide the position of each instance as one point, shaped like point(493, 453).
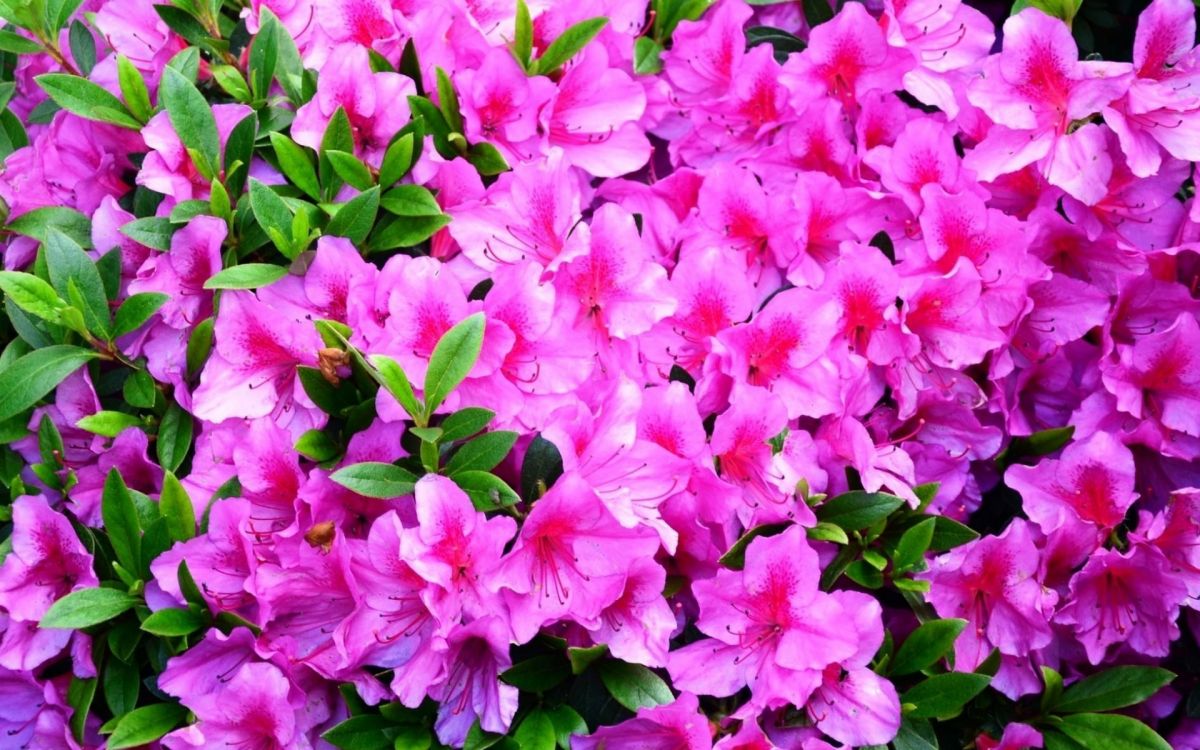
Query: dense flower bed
point(600, 374)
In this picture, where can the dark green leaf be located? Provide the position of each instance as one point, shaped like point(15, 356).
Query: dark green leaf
point(84, 98)
point(568, 44)
point(67, 262)
point(410, 200)
point(1035, 445)
point(536, 732)
point(634, 686)
point(782, 42)
point(264, 56)
point(817, 12)
point(948, 534)
point(192, 119)
point(486, 159)
point(143, 725)
point(858, 510)
point(83, 47)
point(541, 467)
point(366, 732)
point(926, 645)
point(581, 658)
point(356, 174)
point(355, 218)
point(487, 491)
point(87, 607)
point(375, 479)
point(735, 557)
point(239, 151)
point(296, 164)
point(396, 161)
point(943, 696)
point(121, 685)
point(465, 423)
point(38, 223)
point(915, 734)
point(37, 373)
point(483, 453)
point(567, 722)
point(176, 507)
point(80, 695)
point(272, 213)
point(153, 231)
point(452, 358)
point(1111, 732)
point(1112, 689)
point(539, 673)
point(121, 521)
point(910, 550)
point(136, 310)
point(182, 23)
point(394, 232)
point(199, 346)
point(174, 437)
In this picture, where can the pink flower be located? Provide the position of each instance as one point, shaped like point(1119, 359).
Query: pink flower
point(769, 627)
point(1129, 598)
point(374, 103)
point(476, 654)
point(257, 707)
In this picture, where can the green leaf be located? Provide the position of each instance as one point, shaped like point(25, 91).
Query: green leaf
point(647, 56)
point(465, 423)
point(581, 658)
point(144, 725)
point(817, 12)
point(174, 622)
point(32, 295)
point(176, 507)
point(397, 160)
point(317, 446)
point(87, 607)
point(38, 223)
point(536, 732)
point(486, 159)
point(542, 466)
point(133, 88)
point(37, 373)
point(827, 532)
point(926, 645)
point(1035, 445)
point(182, 23)
point(487, 491)
point(365, 732)
point(231, 82)
point(121, 686)
point(264, 56)
point(784, 44)
point(356, 174)
point(407, 231)
point(376, 479)
point(174, 437)
point(410, 200)
point(391, 376)
point(199, 345)
point(523, 35)
point(80, 695)
point(1064, 10)
point(86, 99)
point(910, 550)
point(483, 453)
point(448, 101)
point(452, 358)
point(239, 152)
point(568, 44)
point(567, 722)
point(121, 521)
point(538, 674)
point(296, 164)
point(67, 262)
point(356, 217)
point(943, 696)
point(735, 557)
point(153, 231)
point(634, 686)
point(272, 213)
point(948, 534)
point(192, 119)
point(17, 44)
point(857, 510)
point(83, 47)
point(1052, 690)
point(247, 276)
point(136, 310)
point(915, 734)
point(1111, 732)
point(58, 12)
point(107, 423)
point(412, 737)
point(1112, 689)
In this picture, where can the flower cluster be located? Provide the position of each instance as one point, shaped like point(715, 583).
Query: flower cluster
point(654, 374)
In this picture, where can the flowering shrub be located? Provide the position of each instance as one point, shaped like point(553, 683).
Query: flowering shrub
point(602, 374)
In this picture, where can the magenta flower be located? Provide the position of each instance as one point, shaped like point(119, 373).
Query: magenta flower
point(476, 654)
point(769, 627)
point(374, 103)
point(570, 560)
point(1129, 598)
point(992, 584)
point(257, 707)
